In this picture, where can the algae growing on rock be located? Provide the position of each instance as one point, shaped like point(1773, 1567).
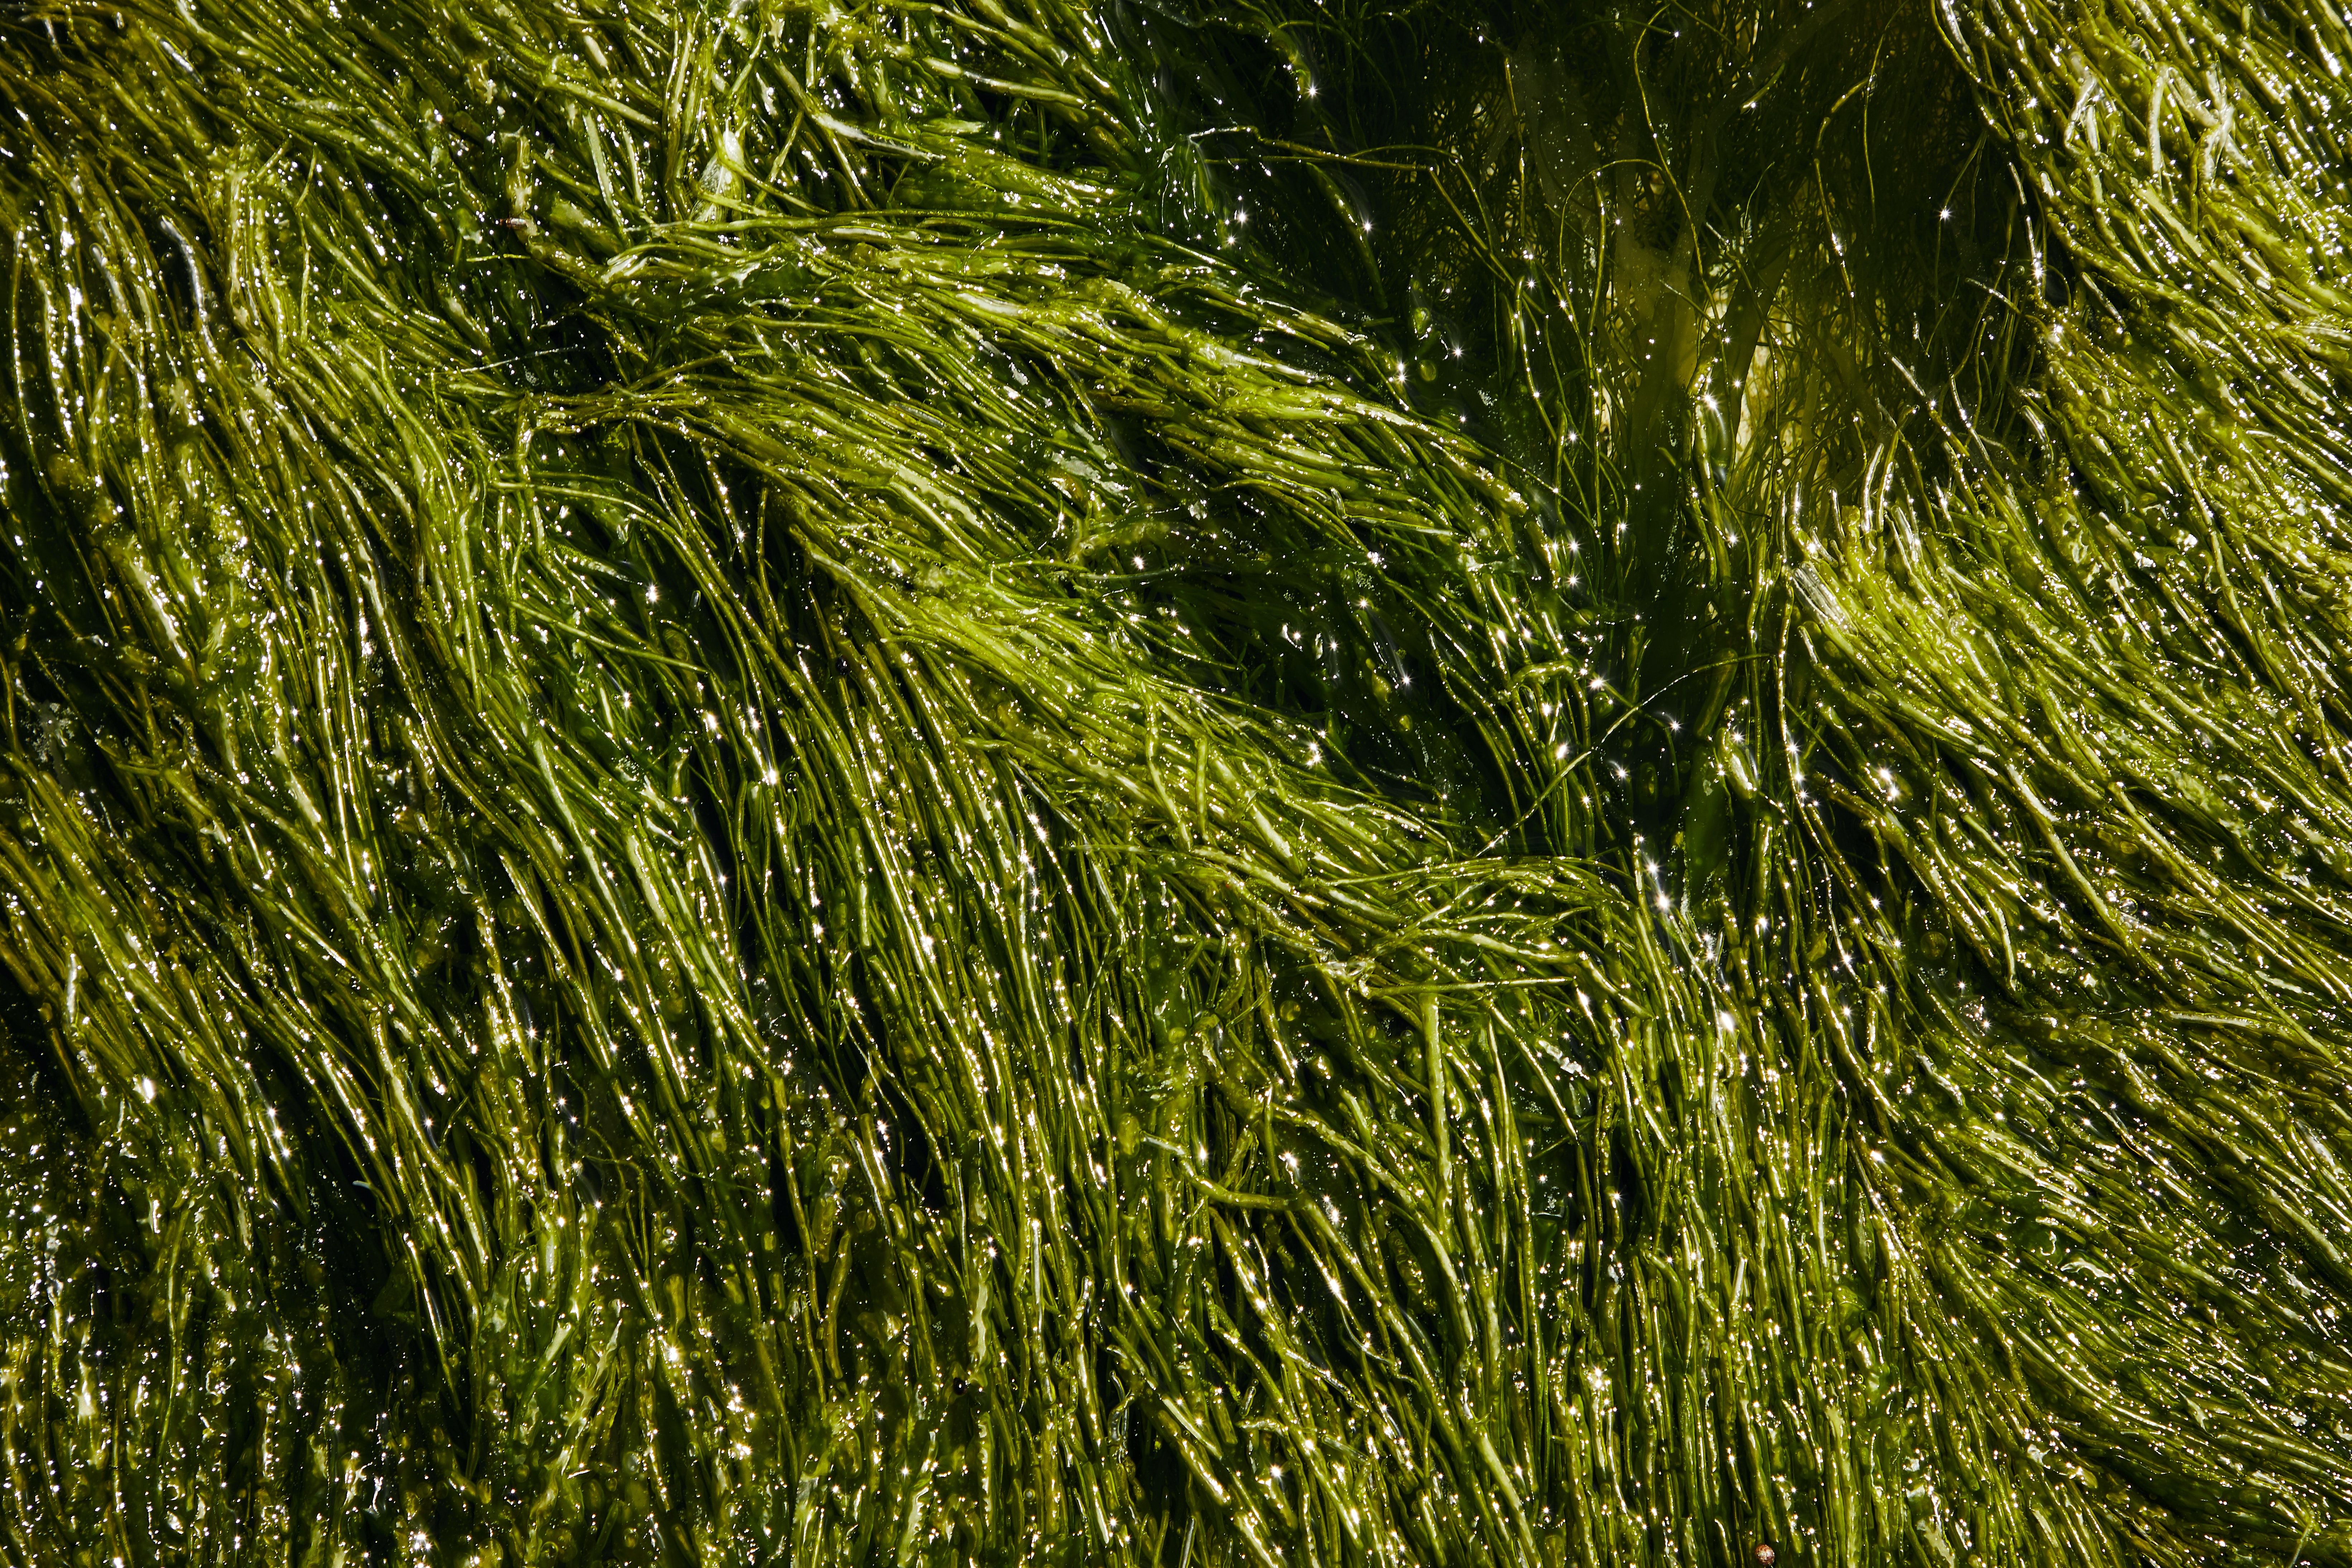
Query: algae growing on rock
point(986, 780)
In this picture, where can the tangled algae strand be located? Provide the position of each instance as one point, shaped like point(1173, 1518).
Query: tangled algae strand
point(986, 780)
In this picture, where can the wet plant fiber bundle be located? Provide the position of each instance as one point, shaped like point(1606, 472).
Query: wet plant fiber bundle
point(1190, 782)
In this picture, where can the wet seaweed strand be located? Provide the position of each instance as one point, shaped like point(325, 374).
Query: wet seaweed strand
point(967, 781)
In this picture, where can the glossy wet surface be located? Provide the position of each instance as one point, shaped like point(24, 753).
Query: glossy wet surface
point(975, 783)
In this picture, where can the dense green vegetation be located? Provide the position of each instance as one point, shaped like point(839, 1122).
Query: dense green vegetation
point(1189, 782)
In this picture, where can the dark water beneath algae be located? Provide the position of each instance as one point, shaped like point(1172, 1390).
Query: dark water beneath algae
point(1267, 782)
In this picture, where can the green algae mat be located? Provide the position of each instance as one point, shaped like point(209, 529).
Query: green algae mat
point(1178, 782)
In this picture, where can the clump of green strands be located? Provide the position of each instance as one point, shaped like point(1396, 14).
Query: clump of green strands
point(1176, 783)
